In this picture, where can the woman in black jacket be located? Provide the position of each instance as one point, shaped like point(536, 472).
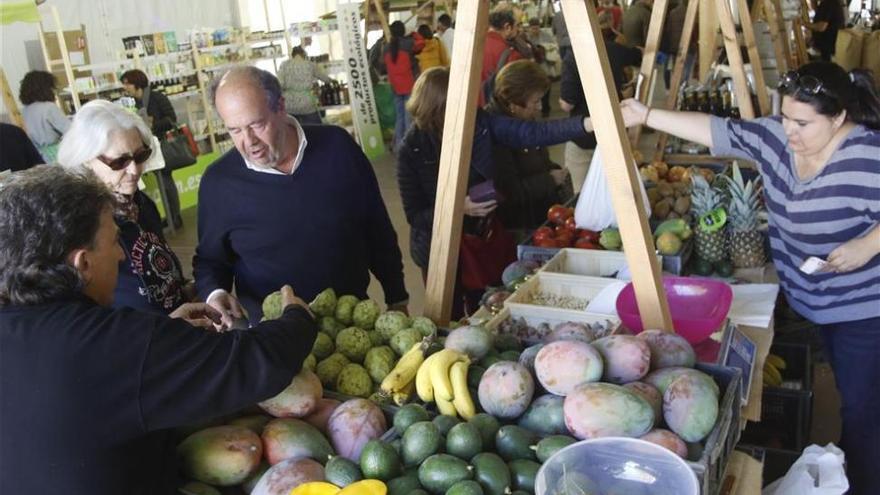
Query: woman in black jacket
point(160, 115)
point(114, 144)
point(527, 179)
point(419, 157)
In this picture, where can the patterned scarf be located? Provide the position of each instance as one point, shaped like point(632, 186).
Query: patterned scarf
point(126, 207)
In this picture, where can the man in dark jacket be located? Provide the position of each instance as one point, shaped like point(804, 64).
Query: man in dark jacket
point(161, 118)
point(89, 392)
point(289, 204)
point(578, 152)
point(17, 152)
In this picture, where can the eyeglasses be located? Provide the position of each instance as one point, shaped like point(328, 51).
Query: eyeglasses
point(120, 162)
point(794, 82)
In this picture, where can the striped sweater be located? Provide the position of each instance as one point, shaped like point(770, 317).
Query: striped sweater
point(812, 217)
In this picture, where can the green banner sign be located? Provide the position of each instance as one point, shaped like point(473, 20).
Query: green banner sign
point(187, 180)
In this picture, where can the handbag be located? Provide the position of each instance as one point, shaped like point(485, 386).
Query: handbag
point(176, 150)
point(484, 256)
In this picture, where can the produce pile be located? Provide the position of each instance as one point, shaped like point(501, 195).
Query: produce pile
point(563, 232)
point(358, 344)
point(503, 410)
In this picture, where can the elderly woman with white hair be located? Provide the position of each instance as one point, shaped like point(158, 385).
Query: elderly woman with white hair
point(114, 144)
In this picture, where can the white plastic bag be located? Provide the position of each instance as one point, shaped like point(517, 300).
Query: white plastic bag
point(594, 210)
point(818, 471)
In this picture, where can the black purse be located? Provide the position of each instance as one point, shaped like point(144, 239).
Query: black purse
point(176, 150)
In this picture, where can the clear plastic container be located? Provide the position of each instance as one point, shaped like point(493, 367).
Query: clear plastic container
point(616, 465)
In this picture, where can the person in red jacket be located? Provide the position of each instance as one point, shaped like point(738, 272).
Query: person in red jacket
point(403, 69)
point(498, 50)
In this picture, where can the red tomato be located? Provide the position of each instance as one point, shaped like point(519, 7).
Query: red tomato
point(589, 234)
point(584, 243)
point(570, 223)
point(546, 243)
point(564, 237)
point(542, 233)
point(557, 214)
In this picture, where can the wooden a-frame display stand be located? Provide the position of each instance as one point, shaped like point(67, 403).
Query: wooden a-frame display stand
point(458, 135)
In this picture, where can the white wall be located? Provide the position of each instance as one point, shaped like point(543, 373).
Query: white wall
point(106, 23)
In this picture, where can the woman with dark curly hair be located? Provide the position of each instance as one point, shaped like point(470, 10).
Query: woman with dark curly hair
point(44, 122)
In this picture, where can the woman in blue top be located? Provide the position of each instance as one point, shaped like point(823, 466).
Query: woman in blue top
point(115, 144)
point(820, 164)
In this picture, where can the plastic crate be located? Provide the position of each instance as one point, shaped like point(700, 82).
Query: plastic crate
point(786, 412)
point(582, 290)
point(587, 262)
point(722, 440)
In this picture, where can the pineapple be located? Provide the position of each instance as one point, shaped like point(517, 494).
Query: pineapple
point(711, 246)
point(746, 242)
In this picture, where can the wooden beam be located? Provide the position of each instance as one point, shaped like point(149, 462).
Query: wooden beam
point(65, 55)
point(748, 29)
point(9, 101)
point(425, 5)
point(380, 11)
point(780, 41)
point(455, 156)
point(734, 60)
point(687, 31)
point(649, 60)
point(800, 43)
point(708, 38)
point(623, 178)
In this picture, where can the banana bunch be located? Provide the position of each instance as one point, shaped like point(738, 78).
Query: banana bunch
point(772, 367)
point(400, 383)
point(442, 379)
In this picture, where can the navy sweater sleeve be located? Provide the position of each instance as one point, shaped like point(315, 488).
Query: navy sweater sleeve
point(189, 375)
point(385, 259)
point(528, 133)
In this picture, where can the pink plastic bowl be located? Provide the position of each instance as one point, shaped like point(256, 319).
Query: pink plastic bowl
point(698, 306)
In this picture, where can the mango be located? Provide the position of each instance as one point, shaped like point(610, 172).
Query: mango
point(506, 389)
point(561, 366)
point(690, 407)
point(221, 456)
point(651, 395)
point(668, 349)
point(666, 438)
point(594, 410)
point(662, 378)
point(298, 399)
point(283, 477)
point(626, 358)
point(285, 438)
point(571, 331)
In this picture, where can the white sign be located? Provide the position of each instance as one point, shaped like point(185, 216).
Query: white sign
point(363, 102)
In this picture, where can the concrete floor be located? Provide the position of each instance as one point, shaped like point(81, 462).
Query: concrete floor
point(826, 423)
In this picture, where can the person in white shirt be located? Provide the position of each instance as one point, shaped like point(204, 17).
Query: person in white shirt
point(446, 32)
point(44, 122)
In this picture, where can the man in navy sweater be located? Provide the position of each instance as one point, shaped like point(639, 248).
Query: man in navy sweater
point(90, 392)
point(290, 204)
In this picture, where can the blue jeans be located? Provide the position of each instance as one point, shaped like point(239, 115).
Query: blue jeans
point(401, 121)
point(854, 350)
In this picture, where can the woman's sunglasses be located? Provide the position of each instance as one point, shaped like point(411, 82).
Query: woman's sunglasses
point(120, 162)
point(793, 82)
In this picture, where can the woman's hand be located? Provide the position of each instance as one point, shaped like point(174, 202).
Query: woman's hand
point(853, 254)
point(634, 112)
point(197, 314)
point(472, 209)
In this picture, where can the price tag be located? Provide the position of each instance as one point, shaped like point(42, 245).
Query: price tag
point(740, 352)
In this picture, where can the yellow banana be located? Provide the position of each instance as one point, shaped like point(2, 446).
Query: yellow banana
point(462, 400)
point(439, 370)
point(424, 389)
point(402, 396)
point(776, 361)
point(405, 370)
point(445, 407)
point(772, 377)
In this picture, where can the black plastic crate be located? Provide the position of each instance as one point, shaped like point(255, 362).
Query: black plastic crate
point(786, 412)
point(776, 462)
